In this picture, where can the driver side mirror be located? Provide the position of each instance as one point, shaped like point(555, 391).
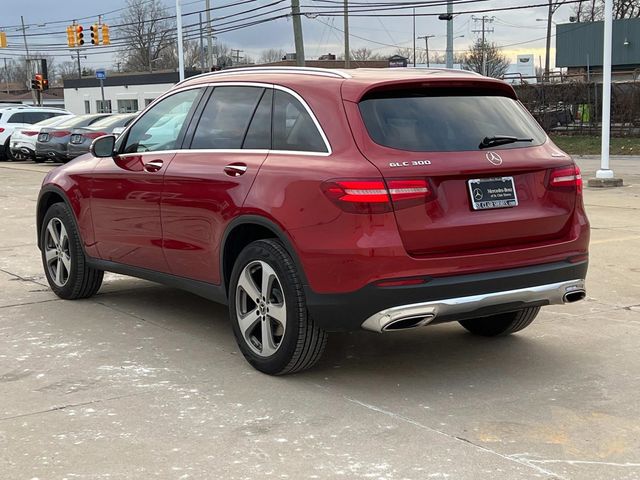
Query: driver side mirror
point(102, 147)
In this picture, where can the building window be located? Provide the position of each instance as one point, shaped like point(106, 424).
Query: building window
point(147, 101)
point(127, 106)
point(103, 106)
point(87, 106)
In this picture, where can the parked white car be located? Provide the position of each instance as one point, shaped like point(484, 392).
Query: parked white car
point(22, 116)
point(23, 140)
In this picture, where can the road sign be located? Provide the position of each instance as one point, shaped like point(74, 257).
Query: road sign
point(101, 74)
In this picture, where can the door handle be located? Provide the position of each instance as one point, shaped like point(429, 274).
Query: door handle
point(235, 169)
point(153, 165)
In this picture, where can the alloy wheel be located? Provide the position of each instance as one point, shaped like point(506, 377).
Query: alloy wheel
point(57, 254)
point(261, 310)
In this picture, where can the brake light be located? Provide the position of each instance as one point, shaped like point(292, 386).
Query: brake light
point(93, 135)
point(566, 177)
point(374, 196)
point(29, 133)
point(1, 129)
point(60, 133)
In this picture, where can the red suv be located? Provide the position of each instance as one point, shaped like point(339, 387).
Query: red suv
point(313, 200)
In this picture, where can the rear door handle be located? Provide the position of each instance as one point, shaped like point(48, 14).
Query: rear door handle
point(153, 165)
point(235, 169)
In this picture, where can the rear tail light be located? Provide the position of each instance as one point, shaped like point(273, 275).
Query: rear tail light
point(60, 133)
point(1, 129)
point(93, 135)
point(374, 196)
point(29, 133)
point(566, 178)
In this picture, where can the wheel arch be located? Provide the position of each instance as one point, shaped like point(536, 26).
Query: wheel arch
point(244, 230)
point(49, 196)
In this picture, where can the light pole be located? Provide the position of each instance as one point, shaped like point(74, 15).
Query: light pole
point(180, 46)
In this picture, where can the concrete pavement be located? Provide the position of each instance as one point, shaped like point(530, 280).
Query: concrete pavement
point(143, 381)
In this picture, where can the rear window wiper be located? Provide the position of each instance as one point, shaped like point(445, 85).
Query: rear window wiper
point(501, 140)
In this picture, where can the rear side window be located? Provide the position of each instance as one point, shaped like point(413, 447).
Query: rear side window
point(293, 127)
point(259, 134)
point(17, 118)
point(225, 119)
point(455, 121)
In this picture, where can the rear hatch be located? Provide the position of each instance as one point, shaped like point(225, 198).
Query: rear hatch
point(455, 195)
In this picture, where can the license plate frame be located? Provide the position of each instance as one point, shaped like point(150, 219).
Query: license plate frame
point(492, 193)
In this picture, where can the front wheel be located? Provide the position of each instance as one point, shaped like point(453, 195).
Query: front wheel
point(268, 311)
point(501, 324)
point(63, 258)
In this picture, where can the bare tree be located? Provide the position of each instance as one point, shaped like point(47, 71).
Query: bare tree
point(271, 55)
point(67, 70)
point(593, 10)
point(150, 36)
point(486, 54)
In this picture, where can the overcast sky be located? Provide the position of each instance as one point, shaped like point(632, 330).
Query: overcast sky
point(517, 30)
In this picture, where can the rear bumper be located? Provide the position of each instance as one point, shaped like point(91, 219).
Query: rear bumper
point(75, 150)
point(447, 299)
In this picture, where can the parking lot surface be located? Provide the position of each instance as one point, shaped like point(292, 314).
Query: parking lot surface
point(143, 381)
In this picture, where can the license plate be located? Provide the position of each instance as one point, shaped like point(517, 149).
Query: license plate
point(43, 137)
point(487, 193)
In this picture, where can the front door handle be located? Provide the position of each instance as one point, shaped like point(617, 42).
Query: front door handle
point(235, 169)
point(153, 165)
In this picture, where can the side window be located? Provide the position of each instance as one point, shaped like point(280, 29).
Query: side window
point(16, 118)
point(225, 118)
point(293, 128)
point(160, 127)
point(258, 136)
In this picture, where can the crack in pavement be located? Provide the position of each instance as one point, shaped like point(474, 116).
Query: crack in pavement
point(415, 423)
point(524, 456)
point(24, 279)
point(31, 303)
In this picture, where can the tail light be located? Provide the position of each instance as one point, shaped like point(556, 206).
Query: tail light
point(374, 196)
point(566, 178)
point(60, 133)
point(29, 133)
point(1, 129)
point(93, 135)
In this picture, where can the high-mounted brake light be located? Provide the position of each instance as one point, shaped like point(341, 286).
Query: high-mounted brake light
point(374, 196)
point(566, 177)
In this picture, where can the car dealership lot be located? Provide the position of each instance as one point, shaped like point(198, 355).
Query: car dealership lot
point(144, 381)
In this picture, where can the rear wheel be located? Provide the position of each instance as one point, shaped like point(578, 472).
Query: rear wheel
point(268, 311)
point(501, 324)
point(63, 258)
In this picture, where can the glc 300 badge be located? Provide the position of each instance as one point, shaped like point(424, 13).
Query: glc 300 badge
point(413, 163)
point(494, 158)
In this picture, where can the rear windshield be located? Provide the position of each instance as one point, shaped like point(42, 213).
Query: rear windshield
point(113, 121)
point(419, 122)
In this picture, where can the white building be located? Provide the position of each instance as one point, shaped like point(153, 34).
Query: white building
point(524, 70)
point(122, 92)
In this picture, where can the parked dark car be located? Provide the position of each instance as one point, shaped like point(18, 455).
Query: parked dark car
point(52, 141)
point(314, 200)
point(82, 137)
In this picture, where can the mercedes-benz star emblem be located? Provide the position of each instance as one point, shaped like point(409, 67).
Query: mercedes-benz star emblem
point(477, 194)
point(494, 158)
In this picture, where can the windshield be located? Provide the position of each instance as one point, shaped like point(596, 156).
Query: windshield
point(416, 122)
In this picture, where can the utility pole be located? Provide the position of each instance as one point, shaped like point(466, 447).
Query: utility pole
point(6, 73)
point(414, 37)
point(449, 59)
point(546, 59)
point(180, 45)
point(79, 67)
point(209, 35)
point(484, 19)
point(426, 44)
point(202, 66)
point(297, 32)
point(26, 48)
point(347, 52)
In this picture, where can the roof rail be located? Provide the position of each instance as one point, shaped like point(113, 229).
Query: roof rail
point(324, 72)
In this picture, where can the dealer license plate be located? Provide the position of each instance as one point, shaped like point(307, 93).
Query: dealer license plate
point(487, 193)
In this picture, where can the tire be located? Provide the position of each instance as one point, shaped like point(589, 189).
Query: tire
point(39, 160)
point(501, 324)
point(63, 258)
point(295, 346)
point(4, 152)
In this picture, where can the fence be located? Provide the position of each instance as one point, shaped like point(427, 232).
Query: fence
point(574, 107)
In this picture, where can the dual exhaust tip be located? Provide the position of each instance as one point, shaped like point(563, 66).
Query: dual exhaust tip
point(415, 321)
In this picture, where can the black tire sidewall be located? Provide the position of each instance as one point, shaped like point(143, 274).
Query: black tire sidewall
point(296, 308)
point(61, 211)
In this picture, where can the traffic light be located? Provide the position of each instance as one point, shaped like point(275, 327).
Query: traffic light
point(105, 35)
point(79, 35)
point(71, 36)
point(95, 34)
point(37, 82)
point(3, 40)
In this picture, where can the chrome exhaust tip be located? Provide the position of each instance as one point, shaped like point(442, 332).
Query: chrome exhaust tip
point(574, 296)
point(406, 323)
